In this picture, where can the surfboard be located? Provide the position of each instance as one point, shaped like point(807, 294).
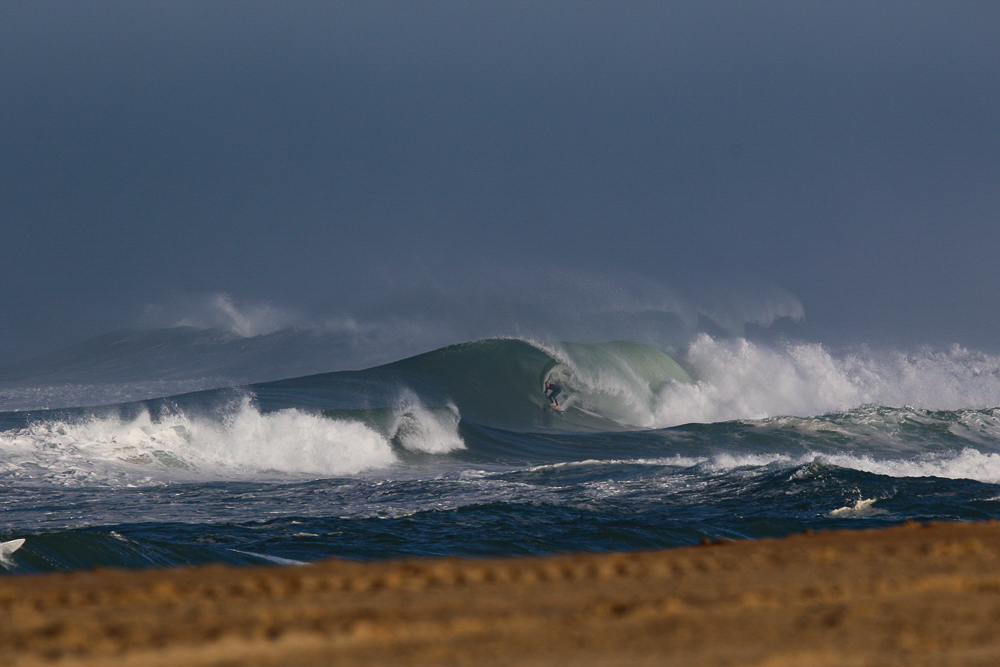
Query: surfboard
point(7, 548)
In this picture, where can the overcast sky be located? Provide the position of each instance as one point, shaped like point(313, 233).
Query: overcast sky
point(833, 167)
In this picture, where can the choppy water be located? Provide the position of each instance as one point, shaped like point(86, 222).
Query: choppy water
point(454, 452)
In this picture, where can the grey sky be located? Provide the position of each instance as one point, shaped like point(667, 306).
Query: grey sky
point(402, 159)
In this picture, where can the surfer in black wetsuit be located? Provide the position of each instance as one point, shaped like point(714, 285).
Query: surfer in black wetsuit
point(551, 391)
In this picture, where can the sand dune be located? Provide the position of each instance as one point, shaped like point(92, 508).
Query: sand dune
point(911, 595)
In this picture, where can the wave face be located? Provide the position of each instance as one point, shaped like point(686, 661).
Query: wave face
point(500, 382)
point(456, 452)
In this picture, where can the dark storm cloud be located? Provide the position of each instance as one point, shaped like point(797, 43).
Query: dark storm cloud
point(314, 155)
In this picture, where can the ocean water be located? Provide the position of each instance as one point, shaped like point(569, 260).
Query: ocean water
point(455, 452)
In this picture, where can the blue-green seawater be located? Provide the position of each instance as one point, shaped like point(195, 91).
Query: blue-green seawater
point(455, 453)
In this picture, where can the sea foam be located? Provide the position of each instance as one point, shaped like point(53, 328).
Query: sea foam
point(969, 464)
point(739, 379)
point(239, 442)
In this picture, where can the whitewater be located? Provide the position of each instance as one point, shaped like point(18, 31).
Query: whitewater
point(456, 452)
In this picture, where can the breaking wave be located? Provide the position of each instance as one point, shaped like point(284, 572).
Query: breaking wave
point(928, 413)
point(238, 441)
point(626, 385)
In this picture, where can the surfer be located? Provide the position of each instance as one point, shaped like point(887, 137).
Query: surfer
point(551, 391)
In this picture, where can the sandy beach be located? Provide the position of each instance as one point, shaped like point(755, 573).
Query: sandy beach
point(909, 595)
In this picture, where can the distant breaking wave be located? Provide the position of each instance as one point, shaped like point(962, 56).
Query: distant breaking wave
point(232, 442)
point(484, 399)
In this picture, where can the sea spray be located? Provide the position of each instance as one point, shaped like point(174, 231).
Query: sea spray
point(739, 379)
point(239, 441)
point(419, 429)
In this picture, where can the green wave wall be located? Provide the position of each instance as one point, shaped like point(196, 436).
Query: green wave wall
point(499, 381)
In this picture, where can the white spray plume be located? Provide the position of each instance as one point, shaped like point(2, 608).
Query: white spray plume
point(739, 379)
point(217, 310)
